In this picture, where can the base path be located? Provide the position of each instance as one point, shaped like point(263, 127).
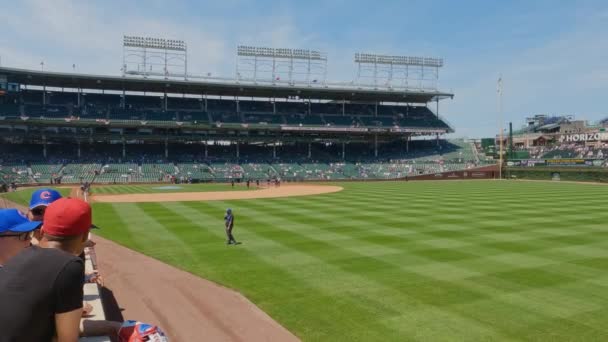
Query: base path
point(186, 307)
point(272, 192)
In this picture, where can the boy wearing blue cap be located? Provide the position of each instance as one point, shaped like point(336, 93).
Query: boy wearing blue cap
point(41, 199)
point(15, 233)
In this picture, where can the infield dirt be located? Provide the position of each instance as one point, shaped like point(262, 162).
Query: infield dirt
point(271, 192)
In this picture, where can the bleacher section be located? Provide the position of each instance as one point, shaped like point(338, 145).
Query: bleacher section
point(43, 173)
point(188, 111)
point(149, 173)
point(14, 173)
point(256, 163)
point(75, 173)
point(117, 173)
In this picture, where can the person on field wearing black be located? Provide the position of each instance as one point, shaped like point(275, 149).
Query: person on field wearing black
point(229, 223)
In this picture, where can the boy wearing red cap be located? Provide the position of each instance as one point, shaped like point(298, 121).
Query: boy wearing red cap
point(41, 288)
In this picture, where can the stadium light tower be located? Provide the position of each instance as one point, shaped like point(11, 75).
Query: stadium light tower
point(280, 65)
point(146, 56)
point(397, 71)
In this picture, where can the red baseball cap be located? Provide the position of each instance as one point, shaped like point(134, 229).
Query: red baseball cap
point(67, 217)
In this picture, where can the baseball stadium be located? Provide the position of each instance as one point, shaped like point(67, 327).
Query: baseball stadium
point(357, 217)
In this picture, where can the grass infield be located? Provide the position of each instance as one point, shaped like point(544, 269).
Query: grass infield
point(23, 196)
point(389, 261)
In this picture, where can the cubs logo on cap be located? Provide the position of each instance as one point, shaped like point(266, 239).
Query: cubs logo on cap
point(44, 197)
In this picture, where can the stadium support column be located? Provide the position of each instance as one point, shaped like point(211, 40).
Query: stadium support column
point(510, 155)
point(44, 146)
point(376, 145)
point(437, 139)
point(166, 148)
point(407, 143)
point(309, 150)
point(343, 151)
point(78, 151)
point(238, 151)
point(274, 150)
point(206, 151)
point(437, 108)
point(124, 149)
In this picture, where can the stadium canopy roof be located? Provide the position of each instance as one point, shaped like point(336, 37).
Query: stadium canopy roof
point(218, 87)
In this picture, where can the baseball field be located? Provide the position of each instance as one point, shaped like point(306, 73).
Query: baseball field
point(397, 261)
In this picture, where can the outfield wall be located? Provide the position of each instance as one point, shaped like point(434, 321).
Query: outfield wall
point(486, 172)
point(599, 175)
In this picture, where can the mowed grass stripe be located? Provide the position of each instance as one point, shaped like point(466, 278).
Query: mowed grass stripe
point(201, 218)
point(426, 261)
point(331, 278)
point(523, 300)
point(539, 317)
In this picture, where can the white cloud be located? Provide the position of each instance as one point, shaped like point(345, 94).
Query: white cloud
point(63, 32)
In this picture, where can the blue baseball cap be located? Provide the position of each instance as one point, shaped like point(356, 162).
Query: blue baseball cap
point(12, 220)
point(44, 197)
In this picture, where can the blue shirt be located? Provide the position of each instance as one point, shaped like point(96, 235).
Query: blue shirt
point(229, 220)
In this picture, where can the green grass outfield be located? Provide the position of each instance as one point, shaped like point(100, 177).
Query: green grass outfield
point(159, 188)
point(389, 261)
point(22, 196)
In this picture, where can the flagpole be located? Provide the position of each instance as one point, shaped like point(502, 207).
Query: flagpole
point(500, 118)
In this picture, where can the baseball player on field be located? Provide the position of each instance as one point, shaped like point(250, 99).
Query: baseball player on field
point(229, 223)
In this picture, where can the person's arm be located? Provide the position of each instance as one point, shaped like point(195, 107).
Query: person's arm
point(67, 325)
point(100, 328)
point(68, 301)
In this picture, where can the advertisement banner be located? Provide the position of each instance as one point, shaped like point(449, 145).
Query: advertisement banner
point(324, 129)
point(583, 137)
point(566, 162)
point(533, 162)
point(557, 162)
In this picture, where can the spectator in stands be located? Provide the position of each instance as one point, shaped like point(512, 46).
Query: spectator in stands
point(15, 233)
point(41, 288)
point(38, 202)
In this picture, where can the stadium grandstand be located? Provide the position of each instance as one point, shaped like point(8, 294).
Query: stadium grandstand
point(70, 128)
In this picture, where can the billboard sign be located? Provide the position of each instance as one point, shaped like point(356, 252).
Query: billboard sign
point(583, 137)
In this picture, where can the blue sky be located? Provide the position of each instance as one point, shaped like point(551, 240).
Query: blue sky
point(553, 56)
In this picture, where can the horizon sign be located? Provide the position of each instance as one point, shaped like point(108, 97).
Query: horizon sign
point(584, 137)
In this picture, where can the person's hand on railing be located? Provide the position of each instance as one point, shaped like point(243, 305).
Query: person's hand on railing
point(94, 277)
